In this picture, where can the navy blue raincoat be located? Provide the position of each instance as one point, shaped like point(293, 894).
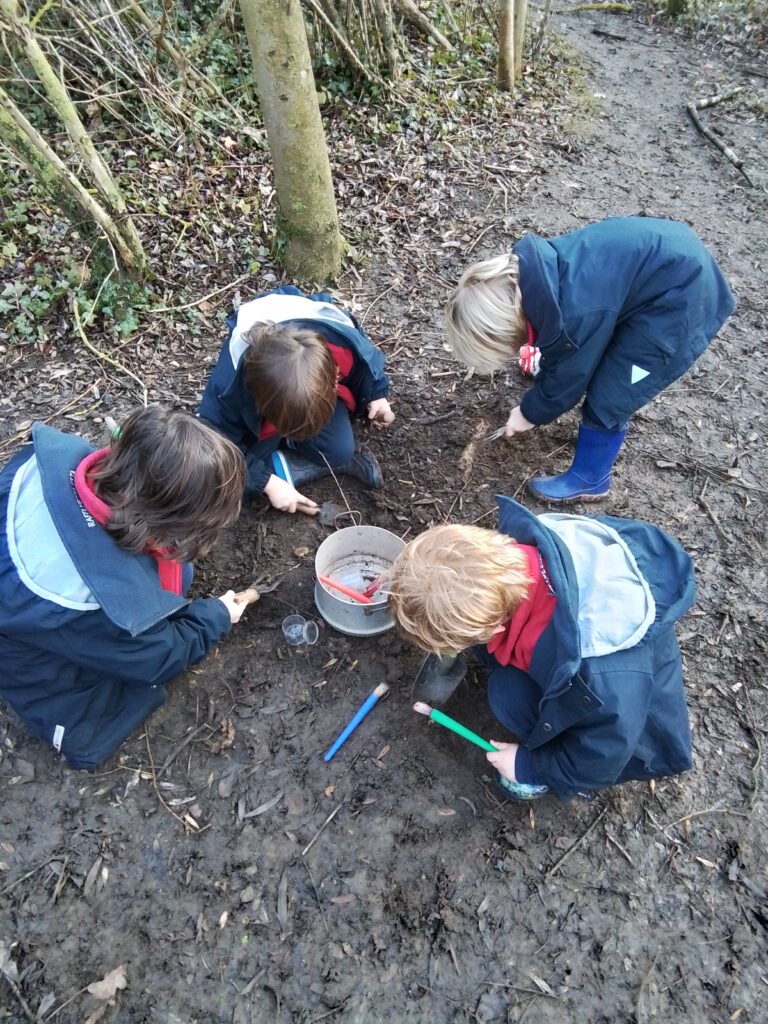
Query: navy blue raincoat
point(228, 407)
point(592, 722)
point(87, 636)
point(620, 309)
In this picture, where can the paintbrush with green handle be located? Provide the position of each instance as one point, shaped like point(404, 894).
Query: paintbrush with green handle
point(449, 723)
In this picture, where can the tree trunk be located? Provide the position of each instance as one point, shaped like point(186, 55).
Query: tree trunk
point(383, 12)
point(505, 69)
point(65, 108)
point(286, 88)
point(521, 13)
point(29, 147)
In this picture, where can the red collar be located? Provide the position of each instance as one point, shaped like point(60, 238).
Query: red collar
point(530, 333)
point(515, 645)
point(92, 503)
point(168, 570)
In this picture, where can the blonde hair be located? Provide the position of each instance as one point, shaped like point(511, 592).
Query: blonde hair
point(291, 378)
point(453, 586)
point(485, 322)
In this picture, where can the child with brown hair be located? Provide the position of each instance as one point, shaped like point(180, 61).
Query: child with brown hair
point(292, 371)
point(94, 564)
point(612, 313)
point(575, 617)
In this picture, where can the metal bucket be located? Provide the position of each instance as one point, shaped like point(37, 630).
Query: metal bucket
point(355, 556)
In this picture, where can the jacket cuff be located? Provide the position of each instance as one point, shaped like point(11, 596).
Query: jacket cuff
point(537, 409)
point(257, 476)
point(524, 770)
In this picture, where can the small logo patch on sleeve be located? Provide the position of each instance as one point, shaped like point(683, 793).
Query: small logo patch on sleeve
point(638, 373)
point(58, 736)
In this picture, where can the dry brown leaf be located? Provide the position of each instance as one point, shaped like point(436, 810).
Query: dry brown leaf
point(348, 897)
point(329, 790)
point(445, 812)
point(109, 984)
point(225, 737)
point(301, 552)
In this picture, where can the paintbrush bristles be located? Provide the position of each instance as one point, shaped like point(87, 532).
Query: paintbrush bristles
point(381, 689)
point(421, 708)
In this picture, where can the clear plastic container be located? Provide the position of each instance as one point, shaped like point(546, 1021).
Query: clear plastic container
point(299, 632)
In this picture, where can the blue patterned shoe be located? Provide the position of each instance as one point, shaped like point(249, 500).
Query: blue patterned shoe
point(520, 790)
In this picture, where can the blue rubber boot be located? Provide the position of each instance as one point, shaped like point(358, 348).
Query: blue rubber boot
point(589, 477)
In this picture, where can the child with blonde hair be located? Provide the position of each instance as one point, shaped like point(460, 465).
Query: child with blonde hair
point(292, 371)
point(575, 618)
point(612, 313)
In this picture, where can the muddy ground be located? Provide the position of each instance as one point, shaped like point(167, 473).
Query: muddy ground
point(423, 898)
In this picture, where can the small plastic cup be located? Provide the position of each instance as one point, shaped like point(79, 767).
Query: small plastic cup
point(298, 631)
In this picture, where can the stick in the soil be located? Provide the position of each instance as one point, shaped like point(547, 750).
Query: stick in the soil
point(759, 754)
point(203, 298)
point(317, 895)
point(336, 481)
point(170, 810)
point(609, 8)
point(178, 749)
point(559, 863)
point(428, 421)
point(22, 1001)
point(710, 101)
point(699, 814)
point(727, 152)
point(608, 35)
point(320, 831)
point(103, 355)
point(715, 521)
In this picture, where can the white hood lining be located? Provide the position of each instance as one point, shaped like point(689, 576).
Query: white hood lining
point(45, 566)
point(616, 606)
point(276, 309)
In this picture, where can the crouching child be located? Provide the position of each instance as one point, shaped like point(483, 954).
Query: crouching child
point(612, 313)
point(574, 616)
point(290, 374)
point(94, 562)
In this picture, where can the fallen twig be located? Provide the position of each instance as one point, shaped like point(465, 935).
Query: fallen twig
point(607, 35)
point(203, 298)
point(710, 101)
point(715, 521)
point(178, 749)
point(22, 1001)
point(698, 814)
point(320, 831)
point(559, 863)
point(609, 8)
point(103, 355)
point(727, 152)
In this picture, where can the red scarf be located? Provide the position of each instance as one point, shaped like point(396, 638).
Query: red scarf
point(168, 570)
point(344, 362)
point(515, 645)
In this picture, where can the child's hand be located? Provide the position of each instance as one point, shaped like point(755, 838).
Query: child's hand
point(380, 412)
point(503, 759)
point(284, 497)
point(233, 606)
point(517, 423)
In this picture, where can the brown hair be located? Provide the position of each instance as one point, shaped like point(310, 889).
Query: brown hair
point(291, 377)
point(453, 586)
point(171, 482)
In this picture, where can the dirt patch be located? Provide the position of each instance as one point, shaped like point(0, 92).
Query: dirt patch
point(423, 899)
